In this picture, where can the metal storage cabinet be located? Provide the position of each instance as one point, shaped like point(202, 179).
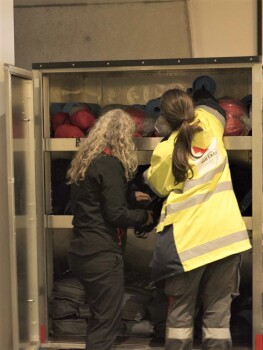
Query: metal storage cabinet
point(114, 82)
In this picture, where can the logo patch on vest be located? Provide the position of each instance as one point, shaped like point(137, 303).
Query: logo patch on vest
point(209, 158)
point(198, 152)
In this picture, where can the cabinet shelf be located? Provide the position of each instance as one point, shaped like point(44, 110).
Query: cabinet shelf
point(65, 221)
point(142, 144)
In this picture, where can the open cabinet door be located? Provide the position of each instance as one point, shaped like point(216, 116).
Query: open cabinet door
point(22, 207)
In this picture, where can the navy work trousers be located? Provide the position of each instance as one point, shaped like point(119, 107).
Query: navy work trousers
point(103, 279)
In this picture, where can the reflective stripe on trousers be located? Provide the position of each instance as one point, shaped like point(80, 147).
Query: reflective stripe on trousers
point(216, 333)
point(216, 338)
point(179, 338)
point(208, 333)
point(179, 333)
point(213, 338)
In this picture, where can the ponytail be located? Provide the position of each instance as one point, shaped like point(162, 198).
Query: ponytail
point(178, 109)
point(182, 151)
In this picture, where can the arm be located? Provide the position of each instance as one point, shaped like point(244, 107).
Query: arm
point(159, 176)
point(114, 197)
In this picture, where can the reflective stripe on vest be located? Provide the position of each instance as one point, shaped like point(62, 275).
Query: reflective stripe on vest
point(198, 199)
point(205, 178)
point(213, 245)
point(194, 200)
point(216, 333)
point(179, 333)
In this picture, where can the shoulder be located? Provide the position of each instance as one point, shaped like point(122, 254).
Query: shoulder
point(211, 129)
point(106, 164)
point(209, 118)
point(106, 160)
point(167, 142)
point(164, 149)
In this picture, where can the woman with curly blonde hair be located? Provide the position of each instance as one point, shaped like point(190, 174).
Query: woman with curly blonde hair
point(109, 133)
point(98, 176)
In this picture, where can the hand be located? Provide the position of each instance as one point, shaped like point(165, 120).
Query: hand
point(141, 196)
point(149, 219)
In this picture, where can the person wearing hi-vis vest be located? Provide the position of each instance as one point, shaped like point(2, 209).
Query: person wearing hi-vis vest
point(200, 233)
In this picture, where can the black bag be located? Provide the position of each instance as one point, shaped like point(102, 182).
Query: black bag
point(69, 289)
point(69, 327)
point(62, 308)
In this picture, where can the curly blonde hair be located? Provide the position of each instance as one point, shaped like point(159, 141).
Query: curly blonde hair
point(114, 131)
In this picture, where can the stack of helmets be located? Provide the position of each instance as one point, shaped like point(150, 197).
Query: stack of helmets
point(81, 116)
point(143, 121)
point(73, 122)
point(236, 117)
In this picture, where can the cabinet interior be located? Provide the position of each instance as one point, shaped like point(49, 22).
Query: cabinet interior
point(129, 86)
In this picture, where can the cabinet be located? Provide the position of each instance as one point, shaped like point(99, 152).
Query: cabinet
point(134, 82)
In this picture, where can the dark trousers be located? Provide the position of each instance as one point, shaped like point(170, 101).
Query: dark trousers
point(103, 279)
point(214, 286)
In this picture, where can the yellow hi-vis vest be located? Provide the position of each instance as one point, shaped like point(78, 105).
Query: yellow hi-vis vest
point(203, 211)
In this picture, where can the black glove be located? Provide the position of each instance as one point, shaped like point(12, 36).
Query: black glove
point(156, 206)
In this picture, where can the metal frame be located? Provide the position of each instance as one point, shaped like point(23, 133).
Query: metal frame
point(11, 71)
point(254, 144)
point(146, 62)
point(257, 274)
point(11, 211)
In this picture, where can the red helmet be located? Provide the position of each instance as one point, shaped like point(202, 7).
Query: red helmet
point(58, 119)
point(236, 117)
point(138, 116)
point(68, 131)
point(82, 118)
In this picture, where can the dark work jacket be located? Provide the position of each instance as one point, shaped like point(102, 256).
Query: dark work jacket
point(99, 207)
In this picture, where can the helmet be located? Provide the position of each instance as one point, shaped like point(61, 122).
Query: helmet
point(68, 131)
point(82, 118)
point(58, 119)
point(138, 116)
point(236, 117)
point(205, 81)
point(153, 107)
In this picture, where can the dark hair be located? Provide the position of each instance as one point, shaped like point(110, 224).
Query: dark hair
point(177, 108)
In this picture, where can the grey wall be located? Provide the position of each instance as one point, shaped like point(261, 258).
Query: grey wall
point(83, 30)
point(100, 30)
